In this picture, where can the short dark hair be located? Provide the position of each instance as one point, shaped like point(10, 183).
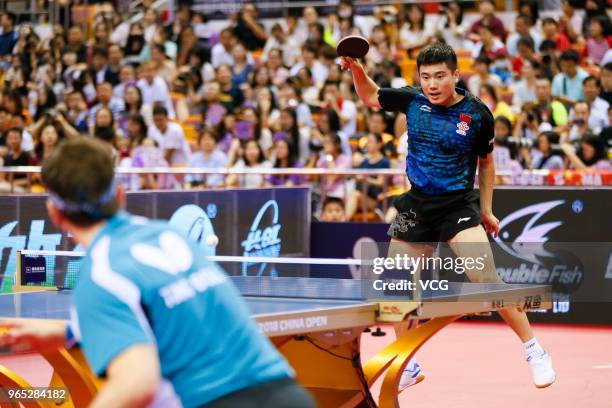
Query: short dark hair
point(79, 176)
point(550, 20)
point(160, 110)
point(527, 41)
point(14, 130)
point(437, 53)
point(332, 200)
point(11, 16)
point(570, 55)
point(100, 51)
point(590, 78)
point(482, 59)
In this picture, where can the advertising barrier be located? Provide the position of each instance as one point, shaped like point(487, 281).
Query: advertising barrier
point(265, 222)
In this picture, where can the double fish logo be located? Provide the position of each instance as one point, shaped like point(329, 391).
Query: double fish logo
point(529, 243)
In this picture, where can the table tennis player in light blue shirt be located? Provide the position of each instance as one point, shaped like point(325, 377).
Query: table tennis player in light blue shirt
point(160, 322)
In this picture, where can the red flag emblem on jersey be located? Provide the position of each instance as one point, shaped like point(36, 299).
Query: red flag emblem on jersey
point(465, 118)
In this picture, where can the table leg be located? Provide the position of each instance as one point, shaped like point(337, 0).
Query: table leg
point(328, 365)
point(395, 357)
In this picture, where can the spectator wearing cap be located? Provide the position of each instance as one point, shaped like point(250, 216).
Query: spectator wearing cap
point(599, 107)
point(486, 9)
point(567, 85)
point(482, 75)
point(9, 36)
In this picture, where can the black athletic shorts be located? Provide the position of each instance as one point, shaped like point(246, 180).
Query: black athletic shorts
point(432, 219)
point(284, 393)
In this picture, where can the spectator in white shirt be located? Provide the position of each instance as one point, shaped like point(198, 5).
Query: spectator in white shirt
point(105, 98)
point(345, 108)
point(154, 89)
point(127, 76)
point(289, 47)
point(170, 137)
point(598, 119)
point(482, 75)
point(310, 61)
point(208, 156)
point(221, 52)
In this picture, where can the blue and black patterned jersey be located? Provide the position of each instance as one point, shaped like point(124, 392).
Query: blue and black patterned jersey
point(443, 142)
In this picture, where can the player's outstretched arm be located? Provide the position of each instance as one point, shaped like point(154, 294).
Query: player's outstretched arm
point(32, 335)
point(366, 89)
point(133, 379)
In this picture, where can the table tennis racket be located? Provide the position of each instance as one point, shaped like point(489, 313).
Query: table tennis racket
point(353, 46)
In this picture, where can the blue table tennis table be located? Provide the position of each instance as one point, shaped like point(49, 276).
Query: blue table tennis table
point(317, 324)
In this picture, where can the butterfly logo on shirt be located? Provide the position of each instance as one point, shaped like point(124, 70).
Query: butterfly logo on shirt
point(173, 255)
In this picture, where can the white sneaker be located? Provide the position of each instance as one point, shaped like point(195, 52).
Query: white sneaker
point(412, 375)
point(542, 370)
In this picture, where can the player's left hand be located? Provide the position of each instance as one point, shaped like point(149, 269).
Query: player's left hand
point(491, 223)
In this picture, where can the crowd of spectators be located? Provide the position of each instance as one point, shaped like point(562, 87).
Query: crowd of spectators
point(184, 91)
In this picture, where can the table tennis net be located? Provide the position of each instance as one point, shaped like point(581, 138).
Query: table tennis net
point(61, 269)
point(48, 268)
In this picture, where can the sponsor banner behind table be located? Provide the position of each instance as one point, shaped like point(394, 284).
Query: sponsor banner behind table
point(557, 217)
point(266, 222)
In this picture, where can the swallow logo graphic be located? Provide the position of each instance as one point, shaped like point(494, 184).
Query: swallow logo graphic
point(533, 235)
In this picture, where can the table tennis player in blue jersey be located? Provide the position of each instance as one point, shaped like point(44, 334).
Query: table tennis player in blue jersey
point(161, 323)
point(450, 134)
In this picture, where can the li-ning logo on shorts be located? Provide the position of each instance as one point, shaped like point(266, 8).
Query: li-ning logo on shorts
point(403, 221)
